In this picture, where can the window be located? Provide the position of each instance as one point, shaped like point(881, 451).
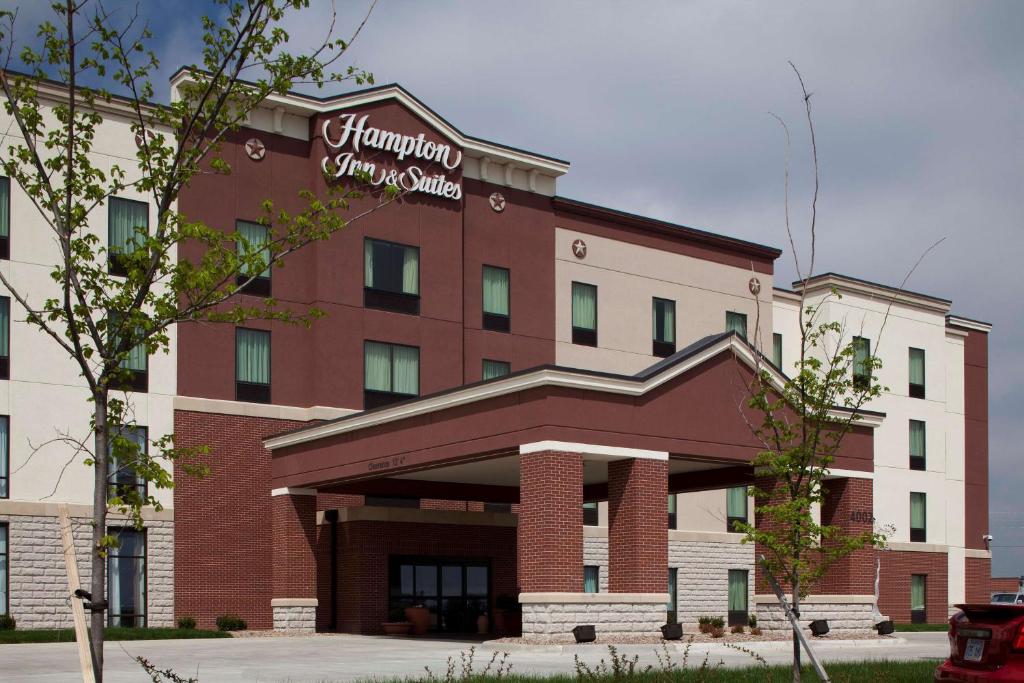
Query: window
point(124, 449)
point(126, 579)
point(737, 597)
point(918, 590)
point(861, 371)
point(5, 337)
point(673, 600)
point(918, 517)
point(590, 514)
point(135, 366)
point(503, 508)
point(5, 459)
point(736, 322)
point(917, 445)
point(391, 501)
point(391, 277)
point(916, 387)
point(252, 242)
point(735, 506)
point(495, 368)
point(127, 229)
point(391, 373)
point(5, 218)
point(671, 511)
point(663, 317)
point(252, 365)
point(591, 579)
point(496, 299)
point(5, 569)
point(777, 350)
point(584, 314)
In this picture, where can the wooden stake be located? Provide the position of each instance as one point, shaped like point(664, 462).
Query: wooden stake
point(77, 606)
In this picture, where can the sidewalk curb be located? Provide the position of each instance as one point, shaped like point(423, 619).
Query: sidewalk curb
point(755, 646)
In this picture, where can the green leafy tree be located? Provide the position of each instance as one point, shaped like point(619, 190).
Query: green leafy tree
point(96, 317)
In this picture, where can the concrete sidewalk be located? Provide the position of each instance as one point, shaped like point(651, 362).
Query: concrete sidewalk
point(350, 658)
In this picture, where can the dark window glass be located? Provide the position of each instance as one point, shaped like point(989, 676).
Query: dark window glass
point(777, 350)
point(126, 448)
point(391, 276)
point(126, 579)
point(5, 456)
point(590, 514)
point(918, 517)
point(861, 371)
point(673, 600)
point(918, 598)
point(671, 511)
point(663, 320)
point(918, 444)
point(5, 218)
point(5, 337)
point(5, 568)
point(252, 365)
point(584, 314)
point(251, 241)
point(127, 230)
point(737, 597)
point(735, 507)
point(591, 579)
point(391, 372)
point(916, 385)
point(135, 366)
point(496, 299)
point(736, 322)
point(495, 368)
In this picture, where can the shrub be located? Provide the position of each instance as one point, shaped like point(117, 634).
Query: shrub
point(717, 631)
point(755, 630)
point(704, 624)
point(186, 623)
point(752, 621)
point(6, 622)
point(718, 622)
point(738, 628)
point(230, 622)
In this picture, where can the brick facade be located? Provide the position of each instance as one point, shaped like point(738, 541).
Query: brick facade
point(979, 581)
point(849, 505)
point(550, 532)
point(894, 588)
point(1000, 584)
point(293, 521)
point(637, 526)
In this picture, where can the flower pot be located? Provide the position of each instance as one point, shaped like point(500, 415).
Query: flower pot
point(483, 624)
point(585, 634)
point(672, 631)
point(885, 628)
point(420, 619)
point(396, 628)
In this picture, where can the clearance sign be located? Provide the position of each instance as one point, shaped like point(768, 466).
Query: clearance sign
point(354, 134)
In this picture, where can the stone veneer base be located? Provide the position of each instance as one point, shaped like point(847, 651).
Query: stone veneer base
point(845, 613)
point(612, 614)
point(296, 616)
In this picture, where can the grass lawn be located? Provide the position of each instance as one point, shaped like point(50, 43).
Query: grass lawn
point(917, 628)
point(61, 635)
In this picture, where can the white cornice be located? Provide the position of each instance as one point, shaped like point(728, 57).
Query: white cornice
point(603, 452)
point(874, 291)
point(969, 324)
point(274, 412)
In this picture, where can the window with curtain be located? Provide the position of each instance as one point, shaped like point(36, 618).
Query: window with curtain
point(496, 295)
point(495, 368)
point(135, 365)
point(672, 511)
point(918, 592)
point(584, 314)
point(777, 350)
point(736, 322)
point(663, 320)
point(126, 579)
point(861, 372)
point(252, 365)
point(5, 337)
point(391, 372)
point(5, 456)
point(590, 517)
point(916, 387)
point(737, 597)
point(918, 517)
point(124, 449)
point(917, 445)
point(127, 228)
point(5, 568)
point(391, 276)
point(673, 600)
point(591, 579)
point(251, 241)
point(735, 506)
point(5, 218)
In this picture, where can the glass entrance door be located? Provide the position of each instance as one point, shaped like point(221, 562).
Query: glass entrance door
point(456, 591)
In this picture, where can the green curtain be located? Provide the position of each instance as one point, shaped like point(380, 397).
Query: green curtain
point(673, 603)
point(918, 506)
point(3, 569)
point(5, 327)
point(584, 306)
point(406, 372)
point(917, 366)
point(861, 352)
point(411, 271)
point(737, 590)
point(137, 358)
point(127, 476)
point(736, 502)
point(495, 368)
point(5, 207)
point(663, 319)
point(671, 503)
point(777, 350)
point(496, 290)
point(917, 438)
point(252, 356)
point(736, 322)
point(125, 217)
point(5, 463)
point(377, 366)
point(917, 591)
point(367, 263)
point(252, 239)
point(591, 582)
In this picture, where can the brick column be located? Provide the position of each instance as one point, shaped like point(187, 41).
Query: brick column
point(638, 526)
point(774, 487)
point(848, 504)
point(293, 526)
point(550, 534)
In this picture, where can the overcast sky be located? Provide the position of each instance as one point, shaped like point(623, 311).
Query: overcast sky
point(663, 110)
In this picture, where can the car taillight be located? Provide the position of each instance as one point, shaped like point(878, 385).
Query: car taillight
point(1018, 642)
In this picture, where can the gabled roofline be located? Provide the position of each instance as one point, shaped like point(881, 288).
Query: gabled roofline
point(308, 105)
point(873, 289)
point(557, 376)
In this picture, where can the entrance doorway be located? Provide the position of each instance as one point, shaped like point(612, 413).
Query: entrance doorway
point(455, 590)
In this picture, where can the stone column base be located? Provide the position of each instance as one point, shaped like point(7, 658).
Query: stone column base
point(550, 615)
point(845, 613)
point(297, 615)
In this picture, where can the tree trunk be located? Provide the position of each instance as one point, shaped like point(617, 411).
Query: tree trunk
point(796, 639)
point(99, 530)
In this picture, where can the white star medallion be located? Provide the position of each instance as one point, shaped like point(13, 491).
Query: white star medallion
point(255, 149)
point(497, 201)
point(579, 249)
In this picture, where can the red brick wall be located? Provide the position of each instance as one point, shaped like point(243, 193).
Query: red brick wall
point(293, 520)
point(848, 504)
point(222, 548)
point(637, 526)
point(1001, 584)
point(550, 532)
point(365, 546)
point(894, 588)
point(979, 582)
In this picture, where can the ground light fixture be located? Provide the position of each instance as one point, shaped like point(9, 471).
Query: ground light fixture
point(885, 628)
point(819, 627)
point(672, 631)
point(585, 633)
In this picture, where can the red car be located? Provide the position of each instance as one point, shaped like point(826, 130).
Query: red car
point(986, 643)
